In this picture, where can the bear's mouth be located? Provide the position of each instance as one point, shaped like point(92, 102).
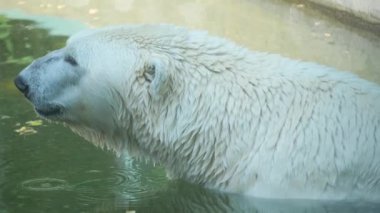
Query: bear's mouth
point(50, 110)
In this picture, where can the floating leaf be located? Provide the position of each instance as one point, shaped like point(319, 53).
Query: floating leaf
point(5, 117)
point(24, 60)
point(19, 61)
point(34, 123)
point(25, 130)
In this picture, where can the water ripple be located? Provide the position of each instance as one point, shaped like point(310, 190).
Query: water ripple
point(45, 184)
point(117, 186)
point(120, 186)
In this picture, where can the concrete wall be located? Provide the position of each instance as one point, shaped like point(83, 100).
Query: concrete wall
point(368, 10)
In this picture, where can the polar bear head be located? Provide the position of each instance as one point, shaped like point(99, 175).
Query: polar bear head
point(132, 87)
point(97, 80)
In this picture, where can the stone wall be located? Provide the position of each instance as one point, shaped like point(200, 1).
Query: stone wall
point(368, 10)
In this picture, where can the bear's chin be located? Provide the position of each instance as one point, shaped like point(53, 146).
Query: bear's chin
point(50, 111)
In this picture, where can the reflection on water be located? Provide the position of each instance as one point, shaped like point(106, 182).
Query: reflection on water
point(185, 198)
point(52, 170)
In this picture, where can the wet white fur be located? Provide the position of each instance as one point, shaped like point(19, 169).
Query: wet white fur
point(228, 118)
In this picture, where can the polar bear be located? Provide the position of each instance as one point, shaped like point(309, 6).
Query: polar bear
point(214, 113)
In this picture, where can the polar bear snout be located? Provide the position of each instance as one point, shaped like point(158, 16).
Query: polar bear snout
point(50, 83)
point(42, 105)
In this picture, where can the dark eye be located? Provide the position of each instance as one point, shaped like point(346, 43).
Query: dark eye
point(71, 60)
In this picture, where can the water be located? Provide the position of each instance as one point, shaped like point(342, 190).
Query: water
point(46, 168)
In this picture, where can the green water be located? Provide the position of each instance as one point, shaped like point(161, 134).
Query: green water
point(50, 169)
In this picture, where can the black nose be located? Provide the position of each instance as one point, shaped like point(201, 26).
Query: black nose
point(21, 85)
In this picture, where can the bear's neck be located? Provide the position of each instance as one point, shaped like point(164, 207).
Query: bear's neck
point(187, 152)
point(189, 134)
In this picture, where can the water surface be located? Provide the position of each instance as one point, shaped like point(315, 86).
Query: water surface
point(46, 168)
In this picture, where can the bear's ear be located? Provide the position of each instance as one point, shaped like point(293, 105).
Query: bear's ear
point(156, 73)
